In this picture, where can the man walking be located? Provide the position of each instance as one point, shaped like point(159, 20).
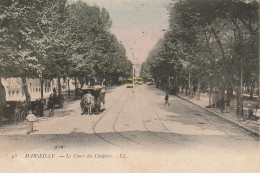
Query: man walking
point(166, 99)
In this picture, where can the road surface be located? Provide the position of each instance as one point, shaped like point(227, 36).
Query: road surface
point(135, 120)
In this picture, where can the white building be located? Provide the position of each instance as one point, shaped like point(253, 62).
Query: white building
point(14, 90)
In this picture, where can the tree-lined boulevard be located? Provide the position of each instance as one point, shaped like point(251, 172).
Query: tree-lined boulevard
point(133, 119)
point(114, 120)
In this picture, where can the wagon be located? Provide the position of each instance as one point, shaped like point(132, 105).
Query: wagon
point(17, 110)
point(96, 104)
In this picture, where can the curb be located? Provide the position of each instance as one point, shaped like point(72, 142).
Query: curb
point(255, 133)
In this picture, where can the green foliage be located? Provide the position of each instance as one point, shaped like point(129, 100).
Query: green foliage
point(54, 39)
point(209, 39)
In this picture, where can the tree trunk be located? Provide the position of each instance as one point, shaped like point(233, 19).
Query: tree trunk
point(81, 81)
point(198, 97)
point(76, 87)
point(59, 86)
point(68, 80)
point(75, 82)
point(251, 90)
point(210, 95)
point(25, 89)
point(237, 101)
point(259, 72)
point(189, 87)
point(222, 99)
point(42, 81)
point(2, 94)
point(241, 94)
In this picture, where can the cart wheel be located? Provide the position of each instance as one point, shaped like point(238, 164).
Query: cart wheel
point(23, 114)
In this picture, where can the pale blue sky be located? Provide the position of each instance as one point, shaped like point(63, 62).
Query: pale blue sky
point(138, 24)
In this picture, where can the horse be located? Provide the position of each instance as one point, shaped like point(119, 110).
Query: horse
point(87, 104)
point(98, 104)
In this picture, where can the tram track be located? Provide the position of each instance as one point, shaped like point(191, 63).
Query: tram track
point(114, 123)
point(104, 113)
point(151, 132)
point(159, 118)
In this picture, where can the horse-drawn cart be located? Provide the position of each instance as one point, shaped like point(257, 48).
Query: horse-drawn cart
point(92, 99)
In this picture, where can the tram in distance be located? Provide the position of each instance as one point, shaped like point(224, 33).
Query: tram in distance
point(150, 81)
point(140, 81)
point(129, 83)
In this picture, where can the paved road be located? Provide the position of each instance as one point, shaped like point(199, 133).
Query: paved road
point(135, 119)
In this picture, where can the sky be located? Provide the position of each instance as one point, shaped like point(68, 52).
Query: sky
point(137, 24)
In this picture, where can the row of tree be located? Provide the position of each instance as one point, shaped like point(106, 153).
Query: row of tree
point(212, 44)
point(55, 39)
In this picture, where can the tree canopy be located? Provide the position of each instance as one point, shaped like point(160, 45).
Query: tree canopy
point(56, 39)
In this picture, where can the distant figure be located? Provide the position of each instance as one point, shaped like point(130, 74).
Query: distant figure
point(222, 104)
point(30, 119)
point(51, 105)
point(215, 99)
point(54, 92)
point(166, 99)
point(228, 104)
point(194, 89)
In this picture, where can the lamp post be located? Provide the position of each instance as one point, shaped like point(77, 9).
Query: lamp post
point(133, 71)
point(133, 75)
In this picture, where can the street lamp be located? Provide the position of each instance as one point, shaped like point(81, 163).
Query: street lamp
point(133, 74)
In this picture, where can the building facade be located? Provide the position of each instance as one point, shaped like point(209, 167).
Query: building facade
point(14, 90)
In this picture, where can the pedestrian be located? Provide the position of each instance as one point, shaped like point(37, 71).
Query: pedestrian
point(166, 99)
point(51, 105)
point(222, 104)
point(215, 99)
point(194, 89)
point(228, 104)
point(54, 92)
point(30, 119)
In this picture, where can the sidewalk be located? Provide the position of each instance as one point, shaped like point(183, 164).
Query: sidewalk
point(250, 126)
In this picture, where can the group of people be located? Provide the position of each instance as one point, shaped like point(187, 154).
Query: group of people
point(221, 103)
